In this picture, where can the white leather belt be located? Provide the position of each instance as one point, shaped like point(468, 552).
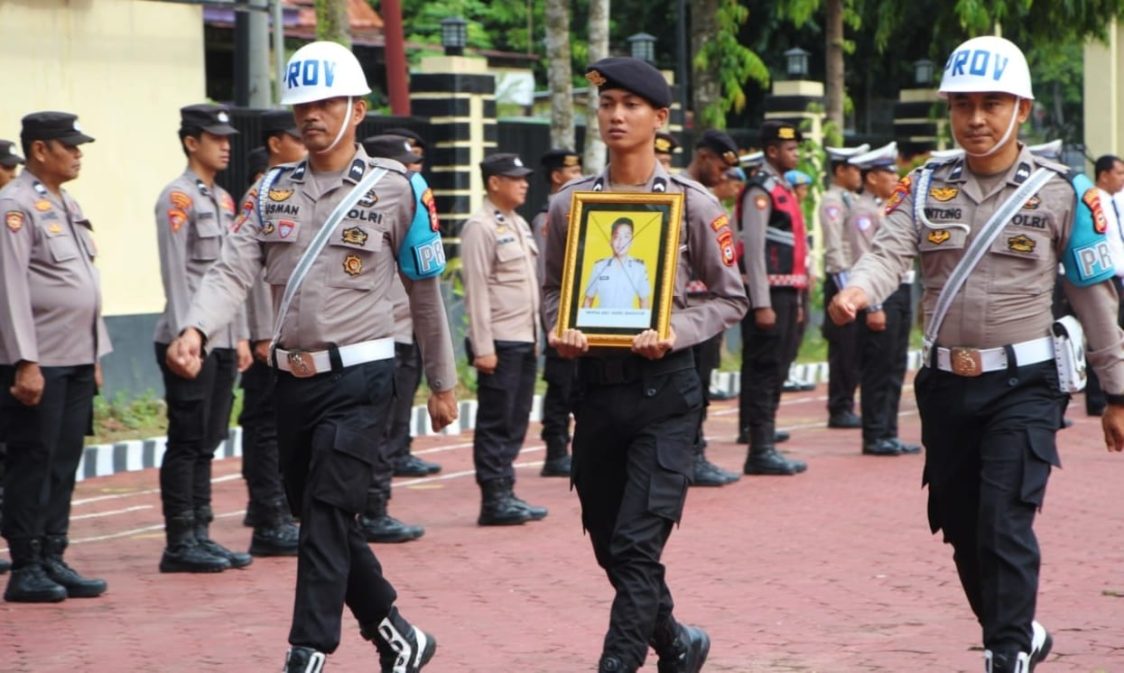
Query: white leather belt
point(303, 364)
point(976, 361)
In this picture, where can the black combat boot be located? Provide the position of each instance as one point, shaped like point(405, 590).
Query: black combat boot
point(845, 420)
point(1041, 642)
point(557, 461)
point(304, 660)
point(183, 553)
point(380, 527)
point(611, 664)
point(536, 513)
point(203, 518)
point(412, 466)
point(681, 648)
point(763, 456)
point(275, 534)
point(60, 573)
point(498, 506)
point(252, 519)
point(706, 473)
point(402, 648)
point(4, 566)
point(29, 582)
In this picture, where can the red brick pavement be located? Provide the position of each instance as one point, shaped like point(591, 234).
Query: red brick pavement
point(833, 571)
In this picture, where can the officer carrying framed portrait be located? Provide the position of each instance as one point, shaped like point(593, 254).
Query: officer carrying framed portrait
point(619, 271)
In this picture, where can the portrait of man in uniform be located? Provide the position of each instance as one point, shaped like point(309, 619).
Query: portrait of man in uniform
point(618, 262)
point(621, 280)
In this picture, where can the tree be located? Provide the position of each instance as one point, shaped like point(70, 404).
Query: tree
point(836, 14)
point(332, 22)
point(721, 63)
point(594, 157)
point(560, 72)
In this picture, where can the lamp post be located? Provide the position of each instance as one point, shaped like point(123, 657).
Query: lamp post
point(796, 63)
point(643, 47)
point(454, 35)
point(923, 73)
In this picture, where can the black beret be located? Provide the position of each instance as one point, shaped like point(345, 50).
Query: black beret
point(665, 143)
point(61, 126)
point(721, 144)
point(633, 75)
point(278, 121)
point(8, 158)
point(214, 119)
point(555, 159)
point(416, 140)
point(389, 146)
point(509, 165)
point(774, 131)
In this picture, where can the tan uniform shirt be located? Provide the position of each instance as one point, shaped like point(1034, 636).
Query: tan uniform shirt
point(705, 252)
point(50, 302)
point(754, 224)
point(345, 299)
point(192, 222)
point(835, 209)
point(863, 221)
point(501, 291)
point(1007, 298)
point(403, 324)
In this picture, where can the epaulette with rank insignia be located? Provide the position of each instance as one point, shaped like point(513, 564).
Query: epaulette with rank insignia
point(1055, 166)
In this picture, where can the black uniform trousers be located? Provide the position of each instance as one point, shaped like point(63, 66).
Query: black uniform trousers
point(44, 445)
point(766, 357)
point(635, 425)
point(198, 421)
point(707, 356)
point(329, 427)
point(989, 444)
point(884, 359)
point(842, 357)
point(557, 404)
point(395, 444)
point(260, 463)
point(503, 412)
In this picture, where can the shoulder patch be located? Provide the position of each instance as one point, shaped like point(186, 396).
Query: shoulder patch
point(176, 219)
point(180, 200)
point(720, 222)
point(14, 220)
point(943, 194)
point(899, 194)
point(761, 201)
point(1093, 200)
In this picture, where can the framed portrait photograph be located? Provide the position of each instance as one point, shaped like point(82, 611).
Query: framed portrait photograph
point(619, 275)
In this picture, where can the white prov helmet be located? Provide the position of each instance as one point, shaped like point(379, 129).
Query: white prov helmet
point(322, 70)
point(985, 64)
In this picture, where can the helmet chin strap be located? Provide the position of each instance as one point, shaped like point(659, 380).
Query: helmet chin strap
point(1004, 139)
point(343, 128)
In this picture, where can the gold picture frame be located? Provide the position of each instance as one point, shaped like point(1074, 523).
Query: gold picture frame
point(618, 283)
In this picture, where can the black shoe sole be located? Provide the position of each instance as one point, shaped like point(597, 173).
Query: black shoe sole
point(1047, 645)
point(501, 522)
point(554, 473)
point(174, 567)
point(36, 598)
point(93, 592)
point(398, 539)
point(267, 552)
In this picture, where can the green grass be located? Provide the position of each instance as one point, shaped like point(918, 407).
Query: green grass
point(123, 418)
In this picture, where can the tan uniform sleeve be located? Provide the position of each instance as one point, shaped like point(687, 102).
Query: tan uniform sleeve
point(259, 310)
point(753, 223)
point(725, 302)
point(477, 254)
point(893, 249)
point(173, 223)
point(18, 334)
point(831, 222)
point(554, 255)
point(427, 307)
point(223, 290)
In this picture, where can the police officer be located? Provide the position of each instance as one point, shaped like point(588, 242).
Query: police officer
point(50, 345)
point(801, 182)
point(989, 391)
point(637, 410)
point(274, 532)
point(884, 330)
point(715, 153)
point(418, 145)
point(772, 230)
point(9, 162)
point(559, 167)
point(665, 145)
point(328, 266)
point(377, 525)
point(502, 301)
point(843, 370)
point(193, 217)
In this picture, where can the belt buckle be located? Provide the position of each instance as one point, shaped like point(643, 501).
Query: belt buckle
point(301, 364)
point(966, 361)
